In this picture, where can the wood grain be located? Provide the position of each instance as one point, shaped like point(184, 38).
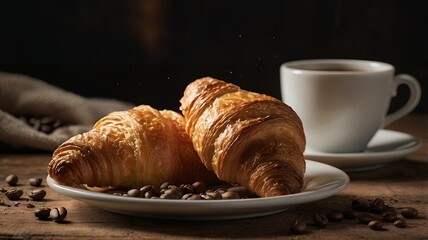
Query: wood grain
point(400, 184)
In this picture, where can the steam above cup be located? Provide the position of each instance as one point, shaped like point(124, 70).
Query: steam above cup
point(343, 103)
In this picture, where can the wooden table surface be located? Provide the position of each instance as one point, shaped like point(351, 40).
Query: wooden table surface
point(400, 184)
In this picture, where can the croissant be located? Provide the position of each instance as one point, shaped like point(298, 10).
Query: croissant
point(133, 148)
point(244, 137)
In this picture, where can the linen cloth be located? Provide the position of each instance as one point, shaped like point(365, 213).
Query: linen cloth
point(22, 95)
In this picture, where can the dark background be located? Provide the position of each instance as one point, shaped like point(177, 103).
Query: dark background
point(146, 52)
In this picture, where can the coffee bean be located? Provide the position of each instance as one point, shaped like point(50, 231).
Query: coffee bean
point(335, 216)
point(409, 212)
point(42, 213)
point(187, 188)
point(14, 194)
point(350, 214)
point(165, 185)
point(230, 195)
point(215, 195)
point(172, 192)
point(155, 191)
point(37, 194)
point(221, 190)
point(377, 206)
point(390, 217)
point(58, 214)
point(364, 218)
point(149, 194)
point(298, 227)
point(191, 196)
point(400, 223)
point(134, 192)
point(35, 182)
point(12, 180)
point(146, 188)
point(199, 187)
point(386, 212)
point(205, 196)
point(320, 220)
point(375, 225)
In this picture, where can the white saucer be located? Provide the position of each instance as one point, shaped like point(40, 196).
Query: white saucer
point(385, 147)
point(320, 181)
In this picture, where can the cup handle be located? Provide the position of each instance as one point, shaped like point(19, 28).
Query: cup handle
point(414, 98)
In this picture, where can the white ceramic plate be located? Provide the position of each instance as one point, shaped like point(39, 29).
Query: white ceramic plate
point(385, 147)
point(321, 181)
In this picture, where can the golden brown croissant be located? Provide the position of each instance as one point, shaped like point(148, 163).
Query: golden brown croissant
point(245, 137)
point(131, 148)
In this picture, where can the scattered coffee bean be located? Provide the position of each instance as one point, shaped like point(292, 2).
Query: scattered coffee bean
point(364, 218)
point(214, 195)
point(149, 194)
point(298, 227)
point(145, 189)
point(350, 214)
point(377, 206)
point(390, 217)
point(199, 187)
point(29, 205)
point(134, 192)
point(187, 196)
point(205, 196)
point(165, 185)
point(409, 212)
point(375, 225)
point(221, 190)
point(35, 182)
point(187, 188)
point(14, 194)
point(230, 195)
point(37, 194)
point(335, 216)
point(191, 196)
point(12, 180)
point(172, 192)
point(400, 223)
point(42, 213)
point(320, 220)
point(58, 214)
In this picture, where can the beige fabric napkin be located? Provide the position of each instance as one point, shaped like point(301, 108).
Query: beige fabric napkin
point(22, 95)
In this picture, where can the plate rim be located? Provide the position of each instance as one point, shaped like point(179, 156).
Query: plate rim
point(278, 203)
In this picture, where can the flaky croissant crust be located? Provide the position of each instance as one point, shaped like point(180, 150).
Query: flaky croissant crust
point(130, 149)
point(245, 137)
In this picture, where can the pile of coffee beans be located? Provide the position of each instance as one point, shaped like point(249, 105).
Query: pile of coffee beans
point(193, 191)
point(375, 214)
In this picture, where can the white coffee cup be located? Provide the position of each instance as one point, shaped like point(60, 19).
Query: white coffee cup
point(343, 102)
